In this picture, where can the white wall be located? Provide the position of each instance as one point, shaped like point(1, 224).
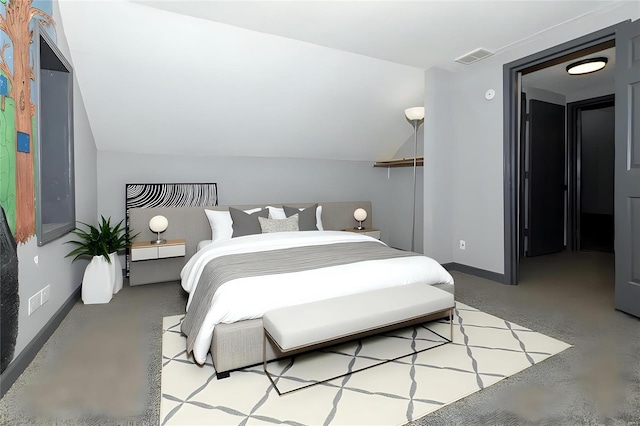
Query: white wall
point(475, 143)
point(53, 268)
point(592, 92)
point(168, 83)
point(249, 180)
point(399, 196)
point(439, 169)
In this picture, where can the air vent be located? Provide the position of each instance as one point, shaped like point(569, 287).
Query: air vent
point(474, 56)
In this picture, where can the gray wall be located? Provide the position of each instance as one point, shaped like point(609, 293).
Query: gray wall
point(438, 166)
point(400, 197)
point(544, 95)
point(474, 143)
point(53, 268)
point(247, 180)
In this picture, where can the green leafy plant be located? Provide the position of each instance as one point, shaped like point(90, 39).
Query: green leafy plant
point(99, 241)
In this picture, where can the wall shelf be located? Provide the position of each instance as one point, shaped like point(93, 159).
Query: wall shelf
point(399, 162)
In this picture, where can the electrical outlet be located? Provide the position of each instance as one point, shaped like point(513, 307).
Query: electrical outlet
point(463, 245)
point(45, 294)
point(34, 302)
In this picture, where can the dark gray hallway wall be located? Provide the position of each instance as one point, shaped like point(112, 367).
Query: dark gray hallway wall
point(247, 180)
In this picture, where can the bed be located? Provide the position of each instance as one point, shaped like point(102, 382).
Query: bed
point(226, 320)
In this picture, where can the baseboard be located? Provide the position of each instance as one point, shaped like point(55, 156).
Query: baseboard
point(22, 361)
point(493, 276)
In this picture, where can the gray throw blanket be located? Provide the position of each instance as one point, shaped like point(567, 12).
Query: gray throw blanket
point(226, 268)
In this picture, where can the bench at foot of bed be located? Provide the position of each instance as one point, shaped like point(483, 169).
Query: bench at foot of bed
point(240, 344)
point(325, 322)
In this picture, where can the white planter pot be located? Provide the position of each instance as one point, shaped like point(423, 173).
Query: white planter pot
point(97, 282)
point(117, 272)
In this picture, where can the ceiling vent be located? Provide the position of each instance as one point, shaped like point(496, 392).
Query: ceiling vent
point(474, 56)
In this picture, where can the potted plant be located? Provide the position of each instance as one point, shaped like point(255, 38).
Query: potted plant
point(103, 275)
point(116, 240)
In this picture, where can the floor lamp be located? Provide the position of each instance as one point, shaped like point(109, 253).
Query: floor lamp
point(415, 116)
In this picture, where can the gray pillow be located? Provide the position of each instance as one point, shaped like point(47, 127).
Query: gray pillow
point(246, 224)
point(289, 224)
point(307, 219)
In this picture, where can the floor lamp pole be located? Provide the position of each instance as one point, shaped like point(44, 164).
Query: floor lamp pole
point(415, 156)
point(415, 116)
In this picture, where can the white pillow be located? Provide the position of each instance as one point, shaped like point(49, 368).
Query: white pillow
point(276, 213)
point(319, 218)
point(221, 223)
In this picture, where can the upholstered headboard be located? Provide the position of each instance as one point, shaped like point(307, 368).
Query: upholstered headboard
point(191, 224)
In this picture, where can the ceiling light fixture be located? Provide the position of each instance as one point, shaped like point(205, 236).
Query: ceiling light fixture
point(587, 66)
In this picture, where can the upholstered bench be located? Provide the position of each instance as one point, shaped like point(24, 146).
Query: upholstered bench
point(323, 322)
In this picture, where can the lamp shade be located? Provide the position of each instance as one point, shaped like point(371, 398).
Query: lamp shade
point(360, 215)
point(158, 223)
point(415, 113)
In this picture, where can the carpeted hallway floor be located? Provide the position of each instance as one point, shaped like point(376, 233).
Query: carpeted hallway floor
point(102, 365)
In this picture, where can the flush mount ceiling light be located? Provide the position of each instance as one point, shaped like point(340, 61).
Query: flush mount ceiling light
point(587, 66)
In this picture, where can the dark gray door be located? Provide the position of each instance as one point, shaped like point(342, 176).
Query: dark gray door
point(546, 178)
point(627, 165)
point(596, 150)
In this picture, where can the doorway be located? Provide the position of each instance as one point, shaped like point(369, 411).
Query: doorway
point(566, 172)
point(513, 128)
point(626, 194)
point(591, 137)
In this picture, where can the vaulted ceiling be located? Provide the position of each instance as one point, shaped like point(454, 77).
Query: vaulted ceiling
point(301, 79)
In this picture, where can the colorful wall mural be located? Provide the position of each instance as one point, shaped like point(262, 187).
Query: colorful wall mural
point(17, 147)
point(18, 110)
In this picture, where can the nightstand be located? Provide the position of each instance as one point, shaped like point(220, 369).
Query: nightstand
point(372, 232)
point(155, 263)
point(146, 250)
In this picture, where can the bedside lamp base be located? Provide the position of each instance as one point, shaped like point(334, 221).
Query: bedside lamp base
point(158, 240)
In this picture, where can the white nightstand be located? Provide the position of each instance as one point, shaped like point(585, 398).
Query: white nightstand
point(146, 250)
point(372, 232)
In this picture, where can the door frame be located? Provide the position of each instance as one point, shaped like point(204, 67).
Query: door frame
point(511, 125)
point(575, 166)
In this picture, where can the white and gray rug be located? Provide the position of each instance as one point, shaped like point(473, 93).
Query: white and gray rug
point(485, 350)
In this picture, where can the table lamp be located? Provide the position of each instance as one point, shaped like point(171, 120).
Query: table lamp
point(360, 215)
point(158, 224)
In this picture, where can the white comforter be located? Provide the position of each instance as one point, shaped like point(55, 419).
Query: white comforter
point(249, 298)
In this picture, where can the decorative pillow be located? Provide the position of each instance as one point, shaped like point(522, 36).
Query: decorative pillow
point(276, 212)
point(289, 224)
point(307, 220)
point(246, 223)
point(221, 223)
point(319, 219)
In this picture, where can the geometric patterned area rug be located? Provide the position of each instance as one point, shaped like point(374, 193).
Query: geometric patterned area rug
point(485, 350)
point(308, 369)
